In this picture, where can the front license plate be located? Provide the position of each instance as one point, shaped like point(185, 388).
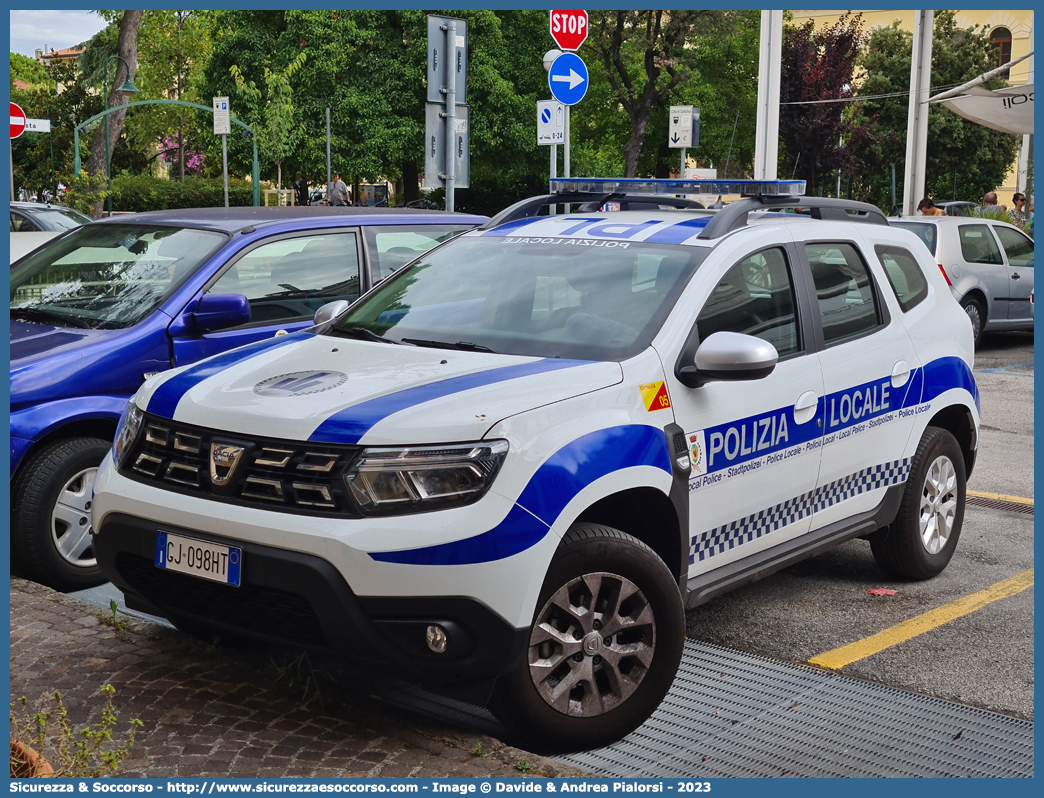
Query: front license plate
point(198, 558)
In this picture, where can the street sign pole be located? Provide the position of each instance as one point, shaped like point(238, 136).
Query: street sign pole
point(681, 170)
point(224, 163)
point(451, 107)
point(565, 154)
point(329, 176)
point(222, 127)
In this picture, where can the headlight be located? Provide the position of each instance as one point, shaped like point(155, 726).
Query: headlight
point(390, 481)
point(126, 432)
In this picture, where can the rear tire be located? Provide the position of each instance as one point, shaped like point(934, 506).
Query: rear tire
point(977, 315)
point(604, 646)
point(50, 514)
point(924, 535)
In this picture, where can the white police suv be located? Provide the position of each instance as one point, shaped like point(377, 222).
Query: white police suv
point(515, 463)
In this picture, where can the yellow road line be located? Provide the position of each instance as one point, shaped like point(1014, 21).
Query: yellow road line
point(1000, 497)
point(919, 624)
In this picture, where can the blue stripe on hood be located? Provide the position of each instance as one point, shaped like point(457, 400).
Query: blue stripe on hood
point(164, 400)
point(350, 424)
point(553, 486)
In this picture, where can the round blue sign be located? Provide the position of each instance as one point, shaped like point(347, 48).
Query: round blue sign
point(545, 116)
point(568, 79)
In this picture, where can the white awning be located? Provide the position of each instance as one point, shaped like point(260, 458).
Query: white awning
point(1008, 110)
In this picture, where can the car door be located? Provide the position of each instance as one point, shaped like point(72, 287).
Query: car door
point(285, 280)
point(869, 367)
point(753, 448)
point(1018, 252)
point(980, 255)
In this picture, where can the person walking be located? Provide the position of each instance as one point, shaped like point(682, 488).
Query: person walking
point(1018, 215)
point(337, 192)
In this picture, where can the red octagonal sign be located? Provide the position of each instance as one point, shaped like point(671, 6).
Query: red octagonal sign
point(569, 28)
point(17, 121)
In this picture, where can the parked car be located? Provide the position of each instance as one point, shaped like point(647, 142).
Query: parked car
point(38, 216)
point(96, 312)
point(24, 243)
point(956, 207)
point(988, 265)
point(510, 467)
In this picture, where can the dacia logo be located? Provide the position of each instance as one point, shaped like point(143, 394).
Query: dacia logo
point(300, 383)
point(223, 461)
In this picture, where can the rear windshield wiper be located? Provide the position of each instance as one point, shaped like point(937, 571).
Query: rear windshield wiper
point(359, 332)
point(37, 314)
point(466, 346)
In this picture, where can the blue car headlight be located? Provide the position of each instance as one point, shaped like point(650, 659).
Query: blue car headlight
point(126, 432)
point(414, 479)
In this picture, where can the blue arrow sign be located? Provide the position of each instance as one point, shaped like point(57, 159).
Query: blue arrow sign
point(568, 79)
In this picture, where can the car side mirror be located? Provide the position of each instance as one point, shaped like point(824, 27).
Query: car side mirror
point(730, 356)
point(330, 311)
point(213, 312)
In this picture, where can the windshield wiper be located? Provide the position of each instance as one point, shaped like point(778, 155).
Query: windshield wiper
point(466, 346)
point(359, 332)
point(38, 314)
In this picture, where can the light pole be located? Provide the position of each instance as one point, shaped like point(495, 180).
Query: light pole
point(126, 88)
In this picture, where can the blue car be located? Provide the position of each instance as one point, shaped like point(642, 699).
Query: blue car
point(96, 311)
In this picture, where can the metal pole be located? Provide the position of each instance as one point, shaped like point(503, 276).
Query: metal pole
point(893, 192)
point(681, 171)
point(105, 105)
point(255, 175)
point(565, 166)
point(766, 129)
point(224, 163)
point(917, 121)
point(451, 107)
point(54, 176)
point(553, 174)
point(11, 153)
point(328, 175)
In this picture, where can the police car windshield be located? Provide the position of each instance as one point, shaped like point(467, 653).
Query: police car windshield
point(107, 275)
point(585, 299)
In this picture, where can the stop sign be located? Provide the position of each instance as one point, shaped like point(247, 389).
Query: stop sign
point(569, 28)
point(17, 121)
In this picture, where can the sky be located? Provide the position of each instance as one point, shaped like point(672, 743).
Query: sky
point(57, 30)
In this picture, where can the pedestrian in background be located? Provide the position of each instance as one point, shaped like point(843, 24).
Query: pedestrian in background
point(990, 200)
point(1018, 214)
point(337, 192)
point(927, 208)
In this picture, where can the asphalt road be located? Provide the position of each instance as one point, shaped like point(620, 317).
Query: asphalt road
point(985, 658)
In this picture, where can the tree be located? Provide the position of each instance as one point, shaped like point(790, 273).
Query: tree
point(964, 160)
point(127, 49)
point(819, 137)
point(272, 112)
point(28, 70)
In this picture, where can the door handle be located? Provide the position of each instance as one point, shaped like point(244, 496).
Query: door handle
point(1015, 276)
point(805, 407)
point(900, 374)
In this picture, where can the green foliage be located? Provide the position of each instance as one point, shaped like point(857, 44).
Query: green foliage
point(522, 766)
point(28, 69)
point(479, 749)
point(86, 193)
point(112, 619)
point(977, 157)
point(147, 193)
point(89, 753)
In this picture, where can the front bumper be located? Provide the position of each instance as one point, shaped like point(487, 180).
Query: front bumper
point(300, 600)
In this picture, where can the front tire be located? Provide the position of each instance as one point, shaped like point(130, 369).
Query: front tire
point(924, 535)
point(50, 514)
point(604, 646)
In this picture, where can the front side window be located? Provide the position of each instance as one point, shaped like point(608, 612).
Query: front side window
point(926, 232)
point(1019, 248)
point(756, 297)
point(294, 277)
point(548, 297)
point(904, 275)
point(19, 224)
point(107, 275)
point(844, 292)
point(393, 246)
point(977, 244)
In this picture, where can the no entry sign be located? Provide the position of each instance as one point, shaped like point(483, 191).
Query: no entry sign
point(569, 28)
point(17, 121)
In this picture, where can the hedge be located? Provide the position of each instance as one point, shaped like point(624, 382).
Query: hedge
point(147, 193)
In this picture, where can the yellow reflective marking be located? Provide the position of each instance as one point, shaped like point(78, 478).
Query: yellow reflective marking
point(1002, 497)
point(919, 624)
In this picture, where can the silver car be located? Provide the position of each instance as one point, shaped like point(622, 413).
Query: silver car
point(988, 264)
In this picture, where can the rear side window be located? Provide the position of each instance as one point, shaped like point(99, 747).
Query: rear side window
point(928, 233)
point(1018, 247)
point(904, 275)
point(977, 244)
point(756, 297)
point(843, 290)
point(396, 245)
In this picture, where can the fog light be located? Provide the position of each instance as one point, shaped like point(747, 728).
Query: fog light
point(437, 640)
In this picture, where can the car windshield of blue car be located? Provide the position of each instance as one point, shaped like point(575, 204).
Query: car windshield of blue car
point(107, 276)
point(585, 299)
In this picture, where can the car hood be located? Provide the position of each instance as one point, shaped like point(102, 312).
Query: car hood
point(31, 342)
point(336, 390)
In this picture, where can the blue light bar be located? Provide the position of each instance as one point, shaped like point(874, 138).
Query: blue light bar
point(618, 185)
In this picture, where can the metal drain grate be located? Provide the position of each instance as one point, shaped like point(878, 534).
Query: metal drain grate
point(1000, 504)
point(731, 713)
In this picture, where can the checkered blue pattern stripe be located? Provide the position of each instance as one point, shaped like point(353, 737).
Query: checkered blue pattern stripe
point(735, 533)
